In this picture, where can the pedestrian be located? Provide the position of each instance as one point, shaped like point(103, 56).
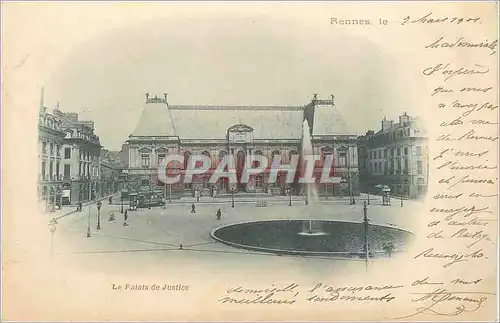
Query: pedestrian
point(125, 215)
point(110, 200)
point(80, 207)
point(193, 208)
point(219, 214)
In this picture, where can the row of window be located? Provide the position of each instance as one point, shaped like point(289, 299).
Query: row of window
point(382, 153)
point(55, 150)
point(393, 168)
point(83, 170)
point(81, 135)
point(146, 158)
point(51, 149)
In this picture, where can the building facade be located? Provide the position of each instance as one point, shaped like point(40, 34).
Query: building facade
point(397, 156)
point(111, 168)
point(80, 155)
point(50, 143)
point(216, 131)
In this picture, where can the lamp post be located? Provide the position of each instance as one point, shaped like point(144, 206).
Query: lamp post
point(55, 198)
point(366, 224)
point(150, 189)
point(351, 198)
point(232, 196)
point(165, 195)
point(289, 189)
point(99, 204)
point(88, 220)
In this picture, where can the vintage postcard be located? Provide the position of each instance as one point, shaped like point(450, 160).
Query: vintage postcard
point(240, 161)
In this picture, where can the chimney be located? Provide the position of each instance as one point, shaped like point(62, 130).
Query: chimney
point(386, 124)
point(404, 118)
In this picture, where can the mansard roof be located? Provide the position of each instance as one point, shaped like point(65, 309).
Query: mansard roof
point(213, 121)
point(328, 121)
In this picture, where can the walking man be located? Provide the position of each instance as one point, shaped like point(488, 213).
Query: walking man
point(125, 218)
point(219, 214)
point(193, 208)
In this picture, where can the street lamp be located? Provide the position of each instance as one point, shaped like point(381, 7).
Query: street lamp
point(233, 190)
point(366, 224)
point(99, 204)
point(88, 220)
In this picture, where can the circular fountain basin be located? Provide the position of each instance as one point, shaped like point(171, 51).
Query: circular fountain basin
point(336, 238)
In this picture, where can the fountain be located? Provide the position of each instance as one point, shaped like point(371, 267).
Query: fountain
point(309, 227)
point(308, 235)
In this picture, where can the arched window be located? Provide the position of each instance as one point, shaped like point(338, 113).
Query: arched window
point(273, 154)
point(326, 153)
point(290, 154)
point(240, 160)
point(161, 153)
point(187, 154)
point(206, 153)
point(222, 154)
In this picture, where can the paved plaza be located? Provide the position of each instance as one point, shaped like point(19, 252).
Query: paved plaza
point(154, 236)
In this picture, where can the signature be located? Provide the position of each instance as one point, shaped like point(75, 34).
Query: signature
point(438, 301)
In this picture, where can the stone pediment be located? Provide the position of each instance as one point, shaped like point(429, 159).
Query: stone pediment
point(240, 128)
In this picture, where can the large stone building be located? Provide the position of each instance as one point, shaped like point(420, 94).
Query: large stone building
point(50, 143)
point(216, 131)
point(397, 156)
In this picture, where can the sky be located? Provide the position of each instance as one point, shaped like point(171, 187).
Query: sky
point(238, 59)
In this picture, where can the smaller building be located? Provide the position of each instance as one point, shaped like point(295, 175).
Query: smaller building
point(397, 156)
point(111, 168)
point(80, 158)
